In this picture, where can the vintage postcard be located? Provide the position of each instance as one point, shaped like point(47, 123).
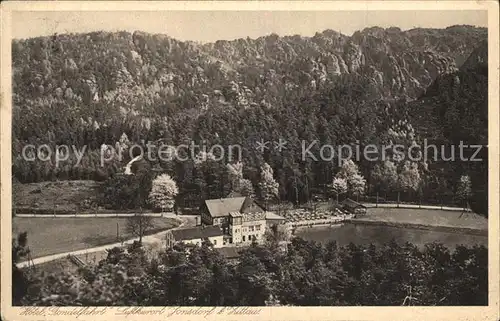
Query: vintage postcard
point(275, 160)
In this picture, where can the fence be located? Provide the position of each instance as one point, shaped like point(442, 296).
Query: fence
point(329, 221)
point(446, 200)
point(76, 260)
point(370, 202)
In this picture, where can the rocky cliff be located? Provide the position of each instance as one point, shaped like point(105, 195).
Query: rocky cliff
point(140, 69)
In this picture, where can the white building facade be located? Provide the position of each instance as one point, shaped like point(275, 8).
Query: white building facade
point(196, 236)
point(247, 228)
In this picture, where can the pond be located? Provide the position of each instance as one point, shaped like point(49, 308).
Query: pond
point(378, 234)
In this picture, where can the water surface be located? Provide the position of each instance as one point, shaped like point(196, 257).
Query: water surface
point(378, 235)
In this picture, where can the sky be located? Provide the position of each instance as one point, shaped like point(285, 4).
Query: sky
point(209, 26)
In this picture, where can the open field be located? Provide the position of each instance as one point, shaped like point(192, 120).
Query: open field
point(57, 235)
point(55, 197)
point(60, 198)
point(427, 217)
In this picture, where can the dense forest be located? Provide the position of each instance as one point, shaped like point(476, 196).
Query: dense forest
point(378, 86)
point(307, 274)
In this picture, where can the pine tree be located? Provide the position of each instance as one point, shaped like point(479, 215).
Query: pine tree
point(268, 186)
point(385, 175)
point(409, 179)
point(245, 188)
point(464, 190)
point(238, 184)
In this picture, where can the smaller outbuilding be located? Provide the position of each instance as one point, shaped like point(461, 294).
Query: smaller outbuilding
point(353, 207)
point(274, 219)
point(196, 236)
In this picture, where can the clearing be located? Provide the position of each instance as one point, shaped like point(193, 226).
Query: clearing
point(57, 235)
point(55, 197)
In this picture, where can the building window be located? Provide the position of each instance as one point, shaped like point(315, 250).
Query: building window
point(243, 238)
point(215, 242)
point(250, 228)
point(257, 227)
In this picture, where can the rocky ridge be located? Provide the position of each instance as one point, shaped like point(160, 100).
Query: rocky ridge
point(141, 71)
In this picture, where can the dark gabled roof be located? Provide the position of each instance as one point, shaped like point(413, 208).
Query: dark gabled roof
point(197, 232)
point(352, 204)
point(223, 206)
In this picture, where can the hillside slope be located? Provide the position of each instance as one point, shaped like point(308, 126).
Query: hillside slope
point(119, 89)
point(454, 111)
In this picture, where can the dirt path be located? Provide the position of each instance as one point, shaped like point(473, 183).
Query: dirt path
point(167, 214)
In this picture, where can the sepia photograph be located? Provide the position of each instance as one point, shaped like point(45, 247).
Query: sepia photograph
point(224, 161)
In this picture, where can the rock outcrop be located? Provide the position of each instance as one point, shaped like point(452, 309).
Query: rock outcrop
point(243, 72)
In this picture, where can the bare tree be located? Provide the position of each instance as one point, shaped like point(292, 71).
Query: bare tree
point(139, 225)
point(277, 234)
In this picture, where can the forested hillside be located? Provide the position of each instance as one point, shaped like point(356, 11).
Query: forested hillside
point(454, 110)
point(103, 88)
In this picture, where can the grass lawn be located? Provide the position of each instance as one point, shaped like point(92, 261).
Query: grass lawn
point(427, 217)
point(57, 235)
